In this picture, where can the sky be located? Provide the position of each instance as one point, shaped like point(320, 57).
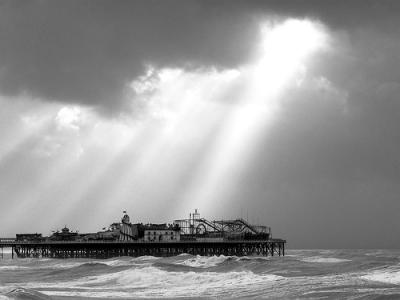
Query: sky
point(285, 113)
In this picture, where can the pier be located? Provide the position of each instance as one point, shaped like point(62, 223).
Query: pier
point(108, 249)
point(195, 235)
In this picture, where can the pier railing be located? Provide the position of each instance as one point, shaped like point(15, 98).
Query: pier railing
point(10, 241)
point(106, 249)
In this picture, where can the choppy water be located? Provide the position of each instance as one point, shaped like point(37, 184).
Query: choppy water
point(302, 274)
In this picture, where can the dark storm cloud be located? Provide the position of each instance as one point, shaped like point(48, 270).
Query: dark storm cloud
point(324, 175)
point(87, 51)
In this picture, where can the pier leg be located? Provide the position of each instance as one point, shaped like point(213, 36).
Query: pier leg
point(12, 252)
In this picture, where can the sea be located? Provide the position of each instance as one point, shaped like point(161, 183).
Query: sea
point(301, 274)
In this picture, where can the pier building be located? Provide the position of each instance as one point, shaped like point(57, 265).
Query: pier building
point(194, 235)
point(162, 233)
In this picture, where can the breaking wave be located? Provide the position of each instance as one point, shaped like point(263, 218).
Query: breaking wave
point(154, 282)
point(21, 293)
point(12, 268)
point(305, 274)
point(203, 261)
point(328, 260)
point(386, 275)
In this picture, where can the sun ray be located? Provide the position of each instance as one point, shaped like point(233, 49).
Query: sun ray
point(284, 50)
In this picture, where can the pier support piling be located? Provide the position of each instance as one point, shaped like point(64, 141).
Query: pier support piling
point(107, 249)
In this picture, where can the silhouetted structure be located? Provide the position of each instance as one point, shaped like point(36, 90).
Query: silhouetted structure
point(195, 235)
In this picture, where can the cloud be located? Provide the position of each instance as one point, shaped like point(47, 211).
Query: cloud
point(86, 53)
point(198, 129)
point(69, 117)
point(318, 162)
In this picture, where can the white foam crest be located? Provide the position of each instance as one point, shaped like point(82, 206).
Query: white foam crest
point(203, 261)
point(63, 265)
point(13, 268)
point(39, 265)
point(117, 263)
point(153, 282)
point(23, 264)
point(329, 260)
point(246, 258)
point(23, 293)
point(145, 257)
point(383, 253)
point(88, 294)
point(389, 275)
point(141, 260)
point(158, 282)
point(3, 290)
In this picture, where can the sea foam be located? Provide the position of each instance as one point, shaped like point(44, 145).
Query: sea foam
point(319, 259)
point(13, 268)
point(151, 281)
point(203, 261)
point(391, 276)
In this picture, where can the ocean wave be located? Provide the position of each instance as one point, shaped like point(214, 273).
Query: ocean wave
point(203, 261)
point(304, 274)
point(389, 275)
point(253, 258)
point(93, 264)
point(153, 280)
point(389, 254)
point(22, 293)
point(146, 257)
point(71, 264)
point(130, 261)
point(61, 265)
point(40, 264)
point(117, 262)
point(150, 281)
point(88, 268)
point(13, 268)
point(90, 294)
point(320, 259)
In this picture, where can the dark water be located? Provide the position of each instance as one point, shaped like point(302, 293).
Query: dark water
point(302, 274)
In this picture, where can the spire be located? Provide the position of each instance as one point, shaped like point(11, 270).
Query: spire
point(125, 218)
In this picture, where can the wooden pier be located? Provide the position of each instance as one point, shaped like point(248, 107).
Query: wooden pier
point(108, 249)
